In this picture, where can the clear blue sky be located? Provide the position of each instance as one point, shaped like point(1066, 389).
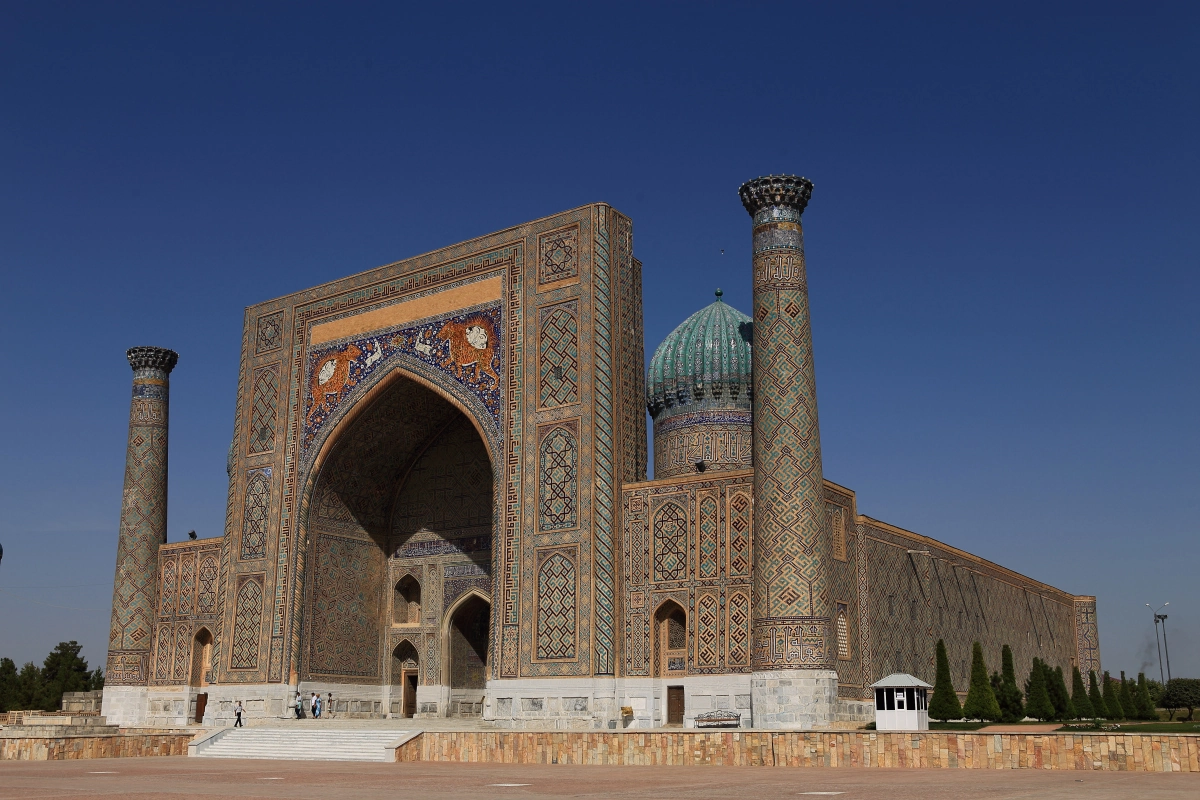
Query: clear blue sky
point(1002, 244)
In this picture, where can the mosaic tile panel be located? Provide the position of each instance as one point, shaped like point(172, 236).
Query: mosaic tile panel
point(265, 396)
point(269, 333)
point(254, 517)
point(558, 493)
point(557, 587)
point(247, 623)
point(558, 355)
point(558, 255)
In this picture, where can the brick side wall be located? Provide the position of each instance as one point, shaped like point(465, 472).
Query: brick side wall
point(1131, 752)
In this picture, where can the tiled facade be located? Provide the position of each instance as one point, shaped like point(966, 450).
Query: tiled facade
point(438, 505)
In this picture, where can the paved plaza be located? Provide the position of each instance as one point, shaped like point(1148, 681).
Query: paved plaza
point(182, 777)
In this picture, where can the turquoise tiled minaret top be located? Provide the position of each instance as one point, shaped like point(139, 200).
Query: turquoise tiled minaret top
point(703, 364)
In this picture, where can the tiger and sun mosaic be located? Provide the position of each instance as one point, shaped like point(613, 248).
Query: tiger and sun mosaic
point(439, 506)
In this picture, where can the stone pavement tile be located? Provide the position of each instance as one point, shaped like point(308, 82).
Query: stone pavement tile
point(182, 778)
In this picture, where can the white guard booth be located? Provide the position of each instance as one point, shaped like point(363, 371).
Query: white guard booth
point(901, 703)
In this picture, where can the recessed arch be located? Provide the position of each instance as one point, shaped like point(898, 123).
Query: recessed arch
point(202, 646)
point(364, 572)
point(465, 643)
point(670, 639)
point(406, 601)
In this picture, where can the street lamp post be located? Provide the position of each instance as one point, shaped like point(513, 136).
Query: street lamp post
point(1166, 647)
point(1157, 619)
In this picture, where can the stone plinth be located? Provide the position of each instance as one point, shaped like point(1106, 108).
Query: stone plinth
point(794, 698)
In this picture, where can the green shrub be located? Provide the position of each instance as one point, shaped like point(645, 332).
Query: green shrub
point(981, 700)
point(944, 704)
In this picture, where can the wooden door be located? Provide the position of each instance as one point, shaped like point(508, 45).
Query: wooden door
point(410, 694)
point(201, 704)
point(674, 705)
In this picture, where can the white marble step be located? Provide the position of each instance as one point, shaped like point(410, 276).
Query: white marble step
point(297, 745)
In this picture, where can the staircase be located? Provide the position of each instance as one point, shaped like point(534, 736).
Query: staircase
point(310, 745)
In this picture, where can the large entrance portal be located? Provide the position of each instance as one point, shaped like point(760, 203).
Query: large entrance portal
point(468, 646)
point(400, 531)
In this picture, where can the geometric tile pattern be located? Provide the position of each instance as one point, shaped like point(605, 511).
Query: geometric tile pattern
point(262, 410)
point(556, 606)
point(347, 607)
point(254, 518)
point(791, 543)
point(1087, 636)
point(143, 519)
point(708, 635)
point(739, 630)
point(558, 255)
point(670, 543)
point(559, 495)
point(206, 595)
point(709, 537)
point(837, 525)
point(740, 525)
point(269, 334)
point(247, 622)
point(558, 365)
point(186, 604)
point(187, 584)
point(715, 606)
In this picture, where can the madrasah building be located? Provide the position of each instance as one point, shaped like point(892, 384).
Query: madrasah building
point(438, 506)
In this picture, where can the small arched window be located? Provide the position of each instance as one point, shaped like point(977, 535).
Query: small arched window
point(406, 602)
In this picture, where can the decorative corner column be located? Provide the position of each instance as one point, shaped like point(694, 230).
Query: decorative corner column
point(143, 529)
point(794, 684)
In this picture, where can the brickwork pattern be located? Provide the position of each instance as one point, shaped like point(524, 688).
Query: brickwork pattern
point(143, 519)
point(791, 548)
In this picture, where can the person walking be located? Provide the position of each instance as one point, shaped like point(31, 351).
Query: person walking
point(329, 708)
point(237, 713)
point(299, 705)
point(314, 706)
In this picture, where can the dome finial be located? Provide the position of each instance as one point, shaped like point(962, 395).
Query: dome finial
point(719, 293)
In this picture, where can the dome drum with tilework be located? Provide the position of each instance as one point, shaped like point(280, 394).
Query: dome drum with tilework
point(699, 393)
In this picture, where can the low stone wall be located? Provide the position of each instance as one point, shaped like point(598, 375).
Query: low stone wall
point(121, 745)
point(1078, 751)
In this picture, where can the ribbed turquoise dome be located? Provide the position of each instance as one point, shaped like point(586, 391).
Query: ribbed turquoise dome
point(702, 364)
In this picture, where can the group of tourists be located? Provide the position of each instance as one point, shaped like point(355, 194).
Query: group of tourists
point(317, 706)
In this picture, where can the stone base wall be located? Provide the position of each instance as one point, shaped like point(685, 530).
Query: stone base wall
point(794, 698)
point(125, 705)
point(124, 745)
point(1087, 752)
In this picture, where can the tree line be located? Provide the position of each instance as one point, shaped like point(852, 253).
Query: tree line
point(41, 688)
point(1044, 695)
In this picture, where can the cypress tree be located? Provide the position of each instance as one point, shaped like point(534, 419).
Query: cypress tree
point(1037, 699)
point(1079, 697)
point(1007, 694)
point(1111, 702)
point(1127, 703)
point(981, 700)
point(944, 704)
point(1141, 699)
point(8, 685)
point(1098, 707)
point(1058, 695)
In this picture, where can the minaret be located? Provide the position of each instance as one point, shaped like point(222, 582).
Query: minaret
point(143, 529)
point(794, 683)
